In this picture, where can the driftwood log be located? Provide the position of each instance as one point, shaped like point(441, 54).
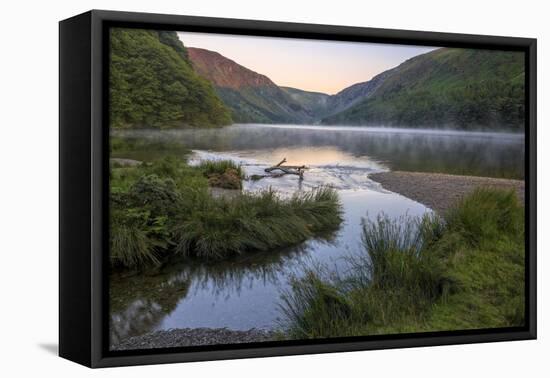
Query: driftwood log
point(279, 170)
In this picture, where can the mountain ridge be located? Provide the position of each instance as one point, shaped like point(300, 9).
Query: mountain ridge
point(446, 88)
point(443, 88)
point(252, 97)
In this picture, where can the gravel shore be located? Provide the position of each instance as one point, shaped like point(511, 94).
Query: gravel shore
point(182, 337)
point(441, 191)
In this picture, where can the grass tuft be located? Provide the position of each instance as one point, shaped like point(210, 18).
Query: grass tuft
point(487, 213)
point(131, 246)
point(209, 167)
point(257, 222)
point(315, 307)
point(223, 174)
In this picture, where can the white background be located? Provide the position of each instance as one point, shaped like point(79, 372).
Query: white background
point(29, 189)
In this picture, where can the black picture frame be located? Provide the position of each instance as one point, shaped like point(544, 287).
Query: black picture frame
point(84, 172)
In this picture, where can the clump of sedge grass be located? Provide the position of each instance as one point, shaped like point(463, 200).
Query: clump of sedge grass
point(395, 274)
point(257, 222)
point(315, 306)
point(486, 214)
point(415, 275)
point(131, 245)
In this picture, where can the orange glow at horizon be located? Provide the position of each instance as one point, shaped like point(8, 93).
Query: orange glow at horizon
point(311, 65)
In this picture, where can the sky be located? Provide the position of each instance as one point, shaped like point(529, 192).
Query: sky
point(312, 65)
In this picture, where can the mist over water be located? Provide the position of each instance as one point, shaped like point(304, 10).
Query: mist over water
point(444, 151)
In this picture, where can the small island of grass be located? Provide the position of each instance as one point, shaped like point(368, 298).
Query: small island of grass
point(164, 207)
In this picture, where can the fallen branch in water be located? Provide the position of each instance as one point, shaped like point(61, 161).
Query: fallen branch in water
point(284, 170)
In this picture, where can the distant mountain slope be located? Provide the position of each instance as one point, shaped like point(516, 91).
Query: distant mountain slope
point(354, 94)
point(152, 84)
point(321, 105)
point(252, 97)
point(463, 88)
point(314, 103)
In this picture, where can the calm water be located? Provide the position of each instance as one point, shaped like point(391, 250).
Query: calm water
point(245, 293)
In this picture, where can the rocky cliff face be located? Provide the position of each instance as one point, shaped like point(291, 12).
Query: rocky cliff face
point(224, 72)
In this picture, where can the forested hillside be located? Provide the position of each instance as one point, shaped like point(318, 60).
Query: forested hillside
point(153, 84)
point(460, 88)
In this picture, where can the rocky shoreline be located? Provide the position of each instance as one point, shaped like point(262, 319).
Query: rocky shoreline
point(182, 337)
point(441, 191)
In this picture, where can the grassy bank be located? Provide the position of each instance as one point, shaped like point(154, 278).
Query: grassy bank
point(462, 271)
point(163, 207)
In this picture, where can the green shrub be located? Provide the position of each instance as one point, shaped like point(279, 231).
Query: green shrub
point(160, 195)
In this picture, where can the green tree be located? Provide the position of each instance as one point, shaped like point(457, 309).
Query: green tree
point(153, 85)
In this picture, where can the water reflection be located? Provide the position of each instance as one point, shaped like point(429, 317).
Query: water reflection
point(140, 301)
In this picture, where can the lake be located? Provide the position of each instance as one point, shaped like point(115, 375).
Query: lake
point(244, 293)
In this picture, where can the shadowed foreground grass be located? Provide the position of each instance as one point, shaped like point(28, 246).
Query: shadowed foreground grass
point(462, 271)
point(164, 207)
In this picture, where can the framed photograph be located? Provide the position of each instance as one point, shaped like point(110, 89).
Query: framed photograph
point(234, 188)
